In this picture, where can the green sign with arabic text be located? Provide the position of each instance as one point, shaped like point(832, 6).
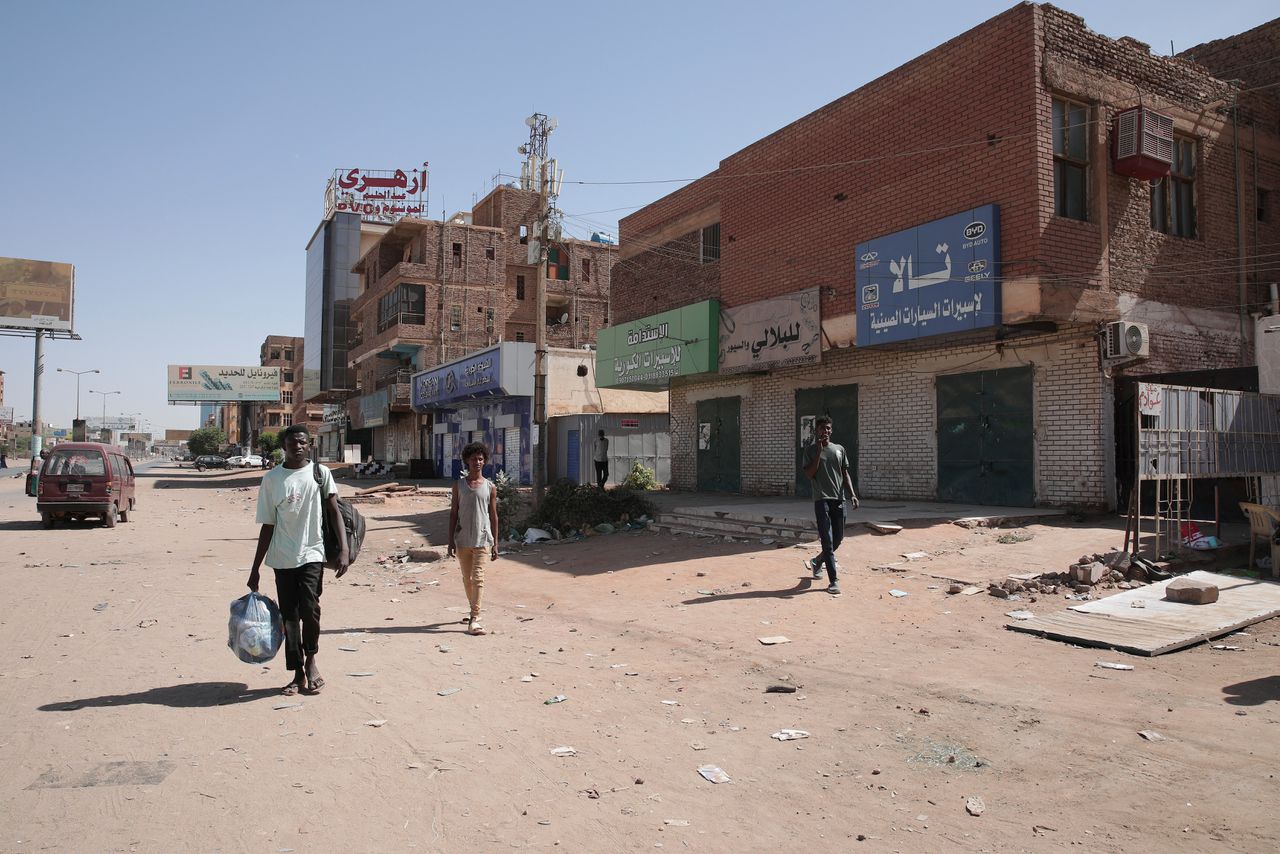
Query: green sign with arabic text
point(646, 353)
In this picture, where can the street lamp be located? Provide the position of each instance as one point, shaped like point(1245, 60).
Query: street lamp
point(78, 375)
point(103, 426)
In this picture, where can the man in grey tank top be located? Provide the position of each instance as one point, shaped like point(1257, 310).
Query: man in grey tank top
point(473, 526)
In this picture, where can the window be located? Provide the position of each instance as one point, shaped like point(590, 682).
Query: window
point(405, 303)
point(288, 355)
point(524, 234)
point(286, 397)
point(710, 250)
point(1173, 198)
point(273, 419)
point(286, 376)
point(558, 263)
point(488, 319)
point(455, 318)
point(586, 323)
point(1264, 204)
point(275, 354)
point(519, 287)
point(586, 269)
point(519, 336)
point(1070, 159)
point(457, 255)
point(489, 253)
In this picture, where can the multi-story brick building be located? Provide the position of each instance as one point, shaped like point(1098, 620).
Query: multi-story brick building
point(433, 291)
point(935, 258)
point(285, 352)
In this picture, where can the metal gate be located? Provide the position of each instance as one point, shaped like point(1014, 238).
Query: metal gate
point(840, 403)
point(986, 437)
point(574, 469)
point(719, 445)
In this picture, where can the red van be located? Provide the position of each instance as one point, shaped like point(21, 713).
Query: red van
point(82, 479)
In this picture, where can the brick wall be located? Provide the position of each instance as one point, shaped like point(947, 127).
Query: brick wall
point(897, 417)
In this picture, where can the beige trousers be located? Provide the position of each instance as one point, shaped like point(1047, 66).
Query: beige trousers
point(472, 562)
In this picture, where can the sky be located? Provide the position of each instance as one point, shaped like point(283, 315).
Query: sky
point(177, 152)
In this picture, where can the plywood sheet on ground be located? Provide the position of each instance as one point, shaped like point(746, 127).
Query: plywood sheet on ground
point(1159, 626)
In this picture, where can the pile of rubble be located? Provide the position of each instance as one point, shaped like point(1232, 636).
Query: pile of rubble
point(379, 494)
point(1109, 571)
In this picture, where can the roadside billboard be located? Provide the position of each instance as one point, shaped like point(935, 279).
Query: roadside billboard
point(204, 383)
point(36, 294)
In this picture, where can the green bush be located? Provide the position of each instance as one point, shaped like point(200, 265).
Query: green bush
point(511, 505)
point(206, 440)
point(641, 477)
point(570, 506)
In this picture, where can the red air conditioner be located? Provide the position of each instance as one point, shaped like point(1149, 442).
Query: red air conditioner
point(1142, 144)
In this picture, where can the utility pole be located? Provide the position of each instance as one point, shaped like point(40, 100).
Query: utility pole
point(542, 170)
point(37, 418)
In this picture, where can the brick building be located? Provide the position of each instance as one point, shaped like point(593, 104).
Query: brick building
point(433, 291)
point(935, 259)
point(285, 352)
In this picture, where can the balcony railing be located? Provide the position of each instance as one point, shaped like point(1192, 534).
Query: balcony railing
point(405, 317)
point(401, 377)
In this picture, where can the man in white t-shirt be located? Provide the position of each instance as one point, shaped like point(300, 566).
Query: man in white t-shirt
point(291, 542)
point(600, 456)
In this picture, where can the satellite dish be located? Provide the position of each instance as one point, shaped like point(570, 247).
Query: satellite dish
point(564, 318)
point(531, 121)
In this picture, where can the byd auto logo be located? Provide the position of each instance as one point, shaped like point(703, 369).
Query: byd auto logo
point(974, 230)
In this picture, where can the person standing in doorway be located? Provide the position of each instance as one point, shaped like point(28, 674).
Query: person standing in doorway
point(291, 541)
point(600, 453)
point(473, 526)
point(827, 466)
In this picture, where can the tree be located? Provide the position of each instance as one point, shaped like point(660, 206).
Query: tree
point(269, 440)
point(206, 440)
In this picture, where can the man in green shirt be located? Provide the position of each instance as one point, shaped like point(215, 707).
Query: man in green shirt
point(827, 466)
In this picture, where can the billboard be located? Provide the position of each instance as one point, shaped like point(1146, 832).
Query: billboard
point(377, 195)
point(36, 294)
point(773, 333)
point(201, 383)
point(646, 353)
point(933, 279)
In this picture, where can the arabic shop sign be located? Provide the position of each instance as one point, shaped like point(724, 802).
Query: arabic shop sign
point(647, 353)
point(377, 196)
point(478, 375)
point(373, 409)
point(203, 383)
point(933, 279)
point(771, 333)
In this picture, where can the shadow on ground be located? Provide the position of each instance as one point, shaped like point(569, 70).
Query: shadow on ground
point(1255, 692)
point(191, 695)
point(458, 626)
point(804, 585)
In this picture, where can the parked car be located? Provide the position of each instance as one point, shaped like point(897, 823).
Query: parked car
point(235, 462)
point(250, 461)
point(82, 479)
point(210, 461)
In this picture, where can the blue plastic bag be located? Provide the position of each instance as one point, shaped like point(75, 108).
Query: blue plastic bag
point(255, 632)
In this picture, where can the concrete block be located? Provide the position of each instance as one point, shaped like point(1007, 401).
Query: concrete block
point(1088, 573)
point(424, 555)
point(1191, 591)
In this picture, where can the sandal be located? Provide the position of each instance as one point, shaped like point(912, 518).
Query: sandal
point(291, 690)
point(474, 627)
point(316, 686)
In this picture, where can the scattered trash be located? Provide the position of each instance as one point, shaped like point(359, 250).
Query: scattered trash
point(916, 555)
point(526, 678)
point(348, 649)
point(1111, 665)
point(282, 706)
point(1151, 735)
point(1019, 615)
point(675, 822)
point(563, 751)
point(970, 590)
point(780, 689)
point(884, 527)
point(535, 535)
point(771, 641)
point(789, 734)
point(974, 806)
point(713, 774)
point(1137, 603)
point(375, 723)
point(1227, 646)
point(558, 698)
point(101, 606)
point(697, 745)
point(898, 594)
point(670, 703)
point(362, 673)
point(448, 692)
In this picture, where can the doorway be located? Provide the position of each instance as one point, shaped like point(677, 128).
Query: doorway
point(719, 444)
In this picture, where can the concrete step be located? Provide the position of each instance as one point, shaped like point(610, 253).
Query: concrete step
point(740, 536)
point(751, 527)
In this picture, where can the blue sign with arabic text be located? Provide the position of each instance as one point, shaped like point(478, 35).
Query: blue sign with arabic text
point(474, 376)
point(933, 279)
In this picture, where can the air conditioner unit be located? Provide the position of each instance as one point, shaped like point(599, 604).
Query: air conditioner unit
point(1142, 144)
point(1125, 340)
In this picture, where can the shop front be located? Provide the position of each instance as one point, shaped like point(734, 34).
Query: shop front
point(487, 397)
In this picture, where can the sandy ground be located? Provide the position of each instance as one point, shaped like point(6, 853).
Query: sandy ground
point(126, 724)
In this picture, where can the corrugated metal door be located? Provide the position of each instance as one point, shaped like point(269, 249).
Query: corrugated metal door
point(840, 404)
point(574, 463)
point(719, 444)
point(986, 437)
point(511, 453)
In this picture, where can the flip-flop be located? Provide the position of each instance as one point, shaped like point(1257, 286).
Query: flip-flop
point(291, 690)
point(316, 686)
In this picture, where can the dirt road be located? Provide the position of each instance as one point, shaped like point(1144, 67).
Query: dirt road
point(126, 724)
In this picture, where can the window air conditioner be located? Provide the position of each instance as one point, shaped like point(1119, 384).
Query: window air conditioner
point(1142, 144)
point(1125, 340)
